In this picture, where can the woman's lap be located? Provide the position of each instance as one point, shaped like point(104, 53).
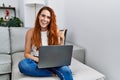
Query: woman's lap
point(29, 67)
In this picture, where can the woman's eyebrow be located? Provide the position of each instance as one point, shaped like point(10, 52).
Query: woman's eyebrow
point(45, 15)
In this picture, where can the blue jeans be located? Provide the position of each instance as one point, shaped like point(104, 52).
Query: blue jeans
point(30, 68)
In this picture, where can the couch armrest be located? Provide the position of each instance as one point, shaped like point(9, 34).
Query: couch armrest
point(78, 52)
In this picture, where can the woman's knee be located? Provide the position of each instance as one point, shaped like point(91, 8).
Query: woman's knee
point(66, 70)
point(24, 64)
point(64, 73)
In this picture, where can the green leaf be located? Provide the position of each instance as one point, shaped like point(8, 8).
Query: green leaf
point(14, 22)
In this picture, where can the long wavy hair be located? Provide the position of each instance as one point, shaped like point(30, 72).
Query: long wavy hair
point(52, 29)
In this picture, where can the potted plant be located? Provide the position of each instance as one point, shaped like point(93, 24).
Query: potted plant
point(14, 22)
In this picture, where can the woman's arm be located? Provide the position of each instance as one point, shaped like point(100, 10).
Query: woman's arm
point(28, 46)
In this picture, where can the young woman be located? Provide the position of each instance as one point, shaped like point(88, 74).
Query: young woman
point(45, 32)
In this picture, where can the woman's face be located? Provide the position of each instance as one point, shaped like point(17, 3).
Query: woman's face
point(44, 18)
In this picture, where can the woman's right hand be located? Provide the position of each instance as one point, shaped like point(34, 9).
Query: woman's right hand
point(36, 59)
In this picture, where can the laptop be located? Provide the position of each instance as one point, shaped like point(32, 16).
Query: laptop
point(55, 56)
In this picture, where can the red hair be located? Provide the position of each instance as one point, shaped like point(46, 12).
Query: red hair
point(52, 29)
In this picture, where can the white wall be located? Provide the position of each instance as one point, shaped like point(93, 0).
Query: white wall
point(21, 10)
point(59, 7)
point(95, 25)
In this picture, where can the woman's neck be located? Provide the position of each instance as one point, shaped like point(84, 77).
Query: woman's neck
point(44, 28)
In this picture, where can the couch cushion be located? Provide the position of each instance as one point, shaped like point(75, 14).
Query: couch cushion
point(5, 63)
point(80, 71)
point(4, 40)
point(4, 76)
point(78, 52)
point(17, 36)
point(84, 72)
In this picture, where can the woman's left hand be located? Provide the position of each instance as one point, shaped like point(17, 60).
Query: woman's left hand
point(62, 36)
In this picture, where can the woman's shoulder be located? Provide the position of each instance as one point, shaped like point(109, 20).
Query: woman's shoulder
point(30, 32)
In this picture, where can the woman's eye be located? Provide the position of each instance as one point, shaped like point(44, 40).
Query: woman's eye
point(42, 15)
point(48, 17)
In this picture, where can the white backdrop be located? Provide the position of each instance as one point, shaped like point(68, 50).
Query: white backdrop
point(95, 25)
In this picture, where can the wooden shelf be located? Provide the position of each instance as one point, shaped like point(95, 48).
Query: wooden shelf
point(7, 7)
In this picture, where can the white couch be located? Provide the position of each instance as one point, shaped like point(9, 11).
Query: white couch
point(11, 52)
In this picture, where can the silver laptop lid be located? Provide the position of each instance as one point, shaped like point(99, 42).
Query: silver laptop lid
point(55, 56)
